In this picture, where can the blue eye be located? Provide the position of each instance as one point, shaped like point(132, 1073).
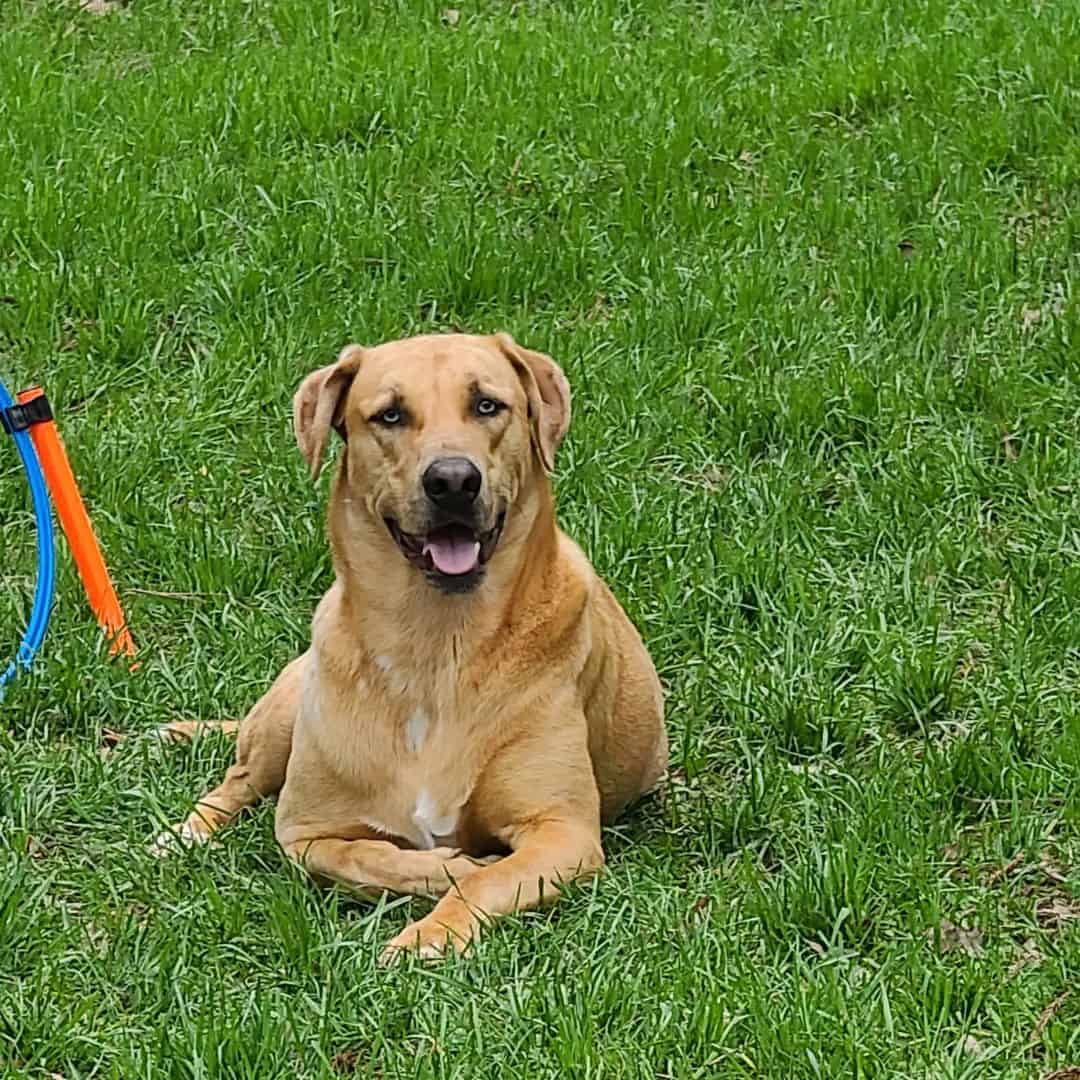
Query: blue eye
point(486, 406)
point(390, 417)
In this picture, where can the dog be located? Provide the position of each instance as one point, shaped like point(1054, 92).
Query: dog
point(474, 703)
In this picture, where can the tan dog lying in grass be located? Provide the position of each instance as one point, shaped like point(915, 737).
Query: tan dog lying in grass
point(474, 702)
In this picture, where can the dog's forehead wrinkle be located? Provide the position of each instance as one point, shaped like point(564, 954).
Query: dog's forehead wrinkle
point(380, 392)
point(435, 372)
point(450, 379)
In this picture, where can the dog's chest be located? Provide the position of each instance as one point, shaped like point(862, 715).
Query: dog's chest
point(433, 776)
point(409, 746)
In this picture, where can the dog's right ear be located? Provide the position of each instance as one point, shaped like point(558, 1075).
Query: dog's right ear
point(319, 404)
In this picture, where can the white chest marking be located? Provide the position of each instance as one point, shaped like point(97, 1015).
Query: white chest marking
point(416, 730)
point(398, 682)
point(435, 827)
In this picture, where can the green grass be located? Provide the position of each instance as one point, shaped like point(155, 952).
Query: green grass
point(788, 255)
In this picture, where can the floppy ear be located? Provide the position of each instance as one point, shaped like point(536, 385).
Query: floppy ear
point(319, 404)
point(548, 393)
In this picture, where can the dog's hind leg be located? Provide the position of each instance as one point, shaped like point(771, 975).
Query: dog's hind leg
point(184, 730)
point(263, 744)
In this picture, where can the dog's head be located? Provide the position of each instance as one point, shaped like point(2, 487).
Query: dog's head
point(444, 436)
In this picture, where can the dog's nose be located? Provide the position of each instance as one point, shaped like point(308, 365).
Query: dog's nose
point(452, 483)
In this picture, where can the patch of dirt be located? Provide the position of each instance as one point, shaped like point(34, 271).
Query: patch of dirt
point(346, 1061)
point(1030, 956)
point(971, 1046)
point(709, 478)
point(952, 938)
point(1052, 912)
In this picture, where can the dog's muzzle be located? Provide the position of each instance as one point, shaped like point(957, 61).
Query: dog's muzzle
point(451, 552)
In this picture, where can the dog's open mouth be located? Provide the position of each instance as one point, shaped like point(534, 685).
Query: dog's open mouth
point(453, 554)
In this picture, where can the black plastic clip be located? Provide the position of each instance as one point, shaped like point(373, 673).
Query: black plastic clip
point(17, 418)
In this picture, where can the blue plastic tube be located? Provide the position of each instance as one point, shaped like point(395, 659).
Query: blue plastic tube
point(46, 575)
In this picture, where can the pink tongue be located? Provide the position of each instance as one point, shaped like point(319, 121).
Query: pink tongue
point(453, 552)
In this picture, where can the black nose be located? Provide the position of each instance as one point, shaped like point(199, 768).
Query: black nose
point(452, 483)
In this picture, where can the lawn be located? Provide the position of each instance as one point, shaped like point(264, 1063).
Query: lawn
point(811, 271)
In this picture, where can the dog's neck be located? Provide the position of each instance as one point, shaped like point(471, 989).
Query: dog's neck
point(397, 616)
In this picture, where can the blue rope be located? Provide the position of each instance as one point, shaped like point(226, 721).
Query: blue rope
point(46, 578)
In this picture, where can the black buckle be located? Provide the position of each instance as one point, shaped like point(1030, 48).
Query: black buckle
point(17, 418)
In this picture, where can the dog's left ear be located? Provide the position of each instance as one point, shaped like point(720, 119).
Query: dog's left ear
point(319, 404)
point(548, 393)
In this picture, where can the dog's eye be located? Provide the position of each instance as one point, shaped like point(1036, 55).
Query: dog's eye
point(486, 406)
point(389, 417)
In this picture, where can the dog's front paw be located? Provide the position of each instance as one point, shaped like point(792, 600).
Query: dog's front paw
point(432, 938)
point(187, 834)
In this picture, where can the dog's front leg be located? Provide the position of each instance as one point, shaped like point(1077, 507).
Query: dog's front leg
point(263, 747)
point(547, 855)
point(371, 867)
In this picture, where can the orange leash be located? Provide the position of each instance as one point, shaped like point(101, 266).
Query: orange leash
point(80, 533)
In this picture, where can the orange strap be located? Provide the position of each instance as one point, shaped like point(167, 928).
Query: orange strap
point(80, 533)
